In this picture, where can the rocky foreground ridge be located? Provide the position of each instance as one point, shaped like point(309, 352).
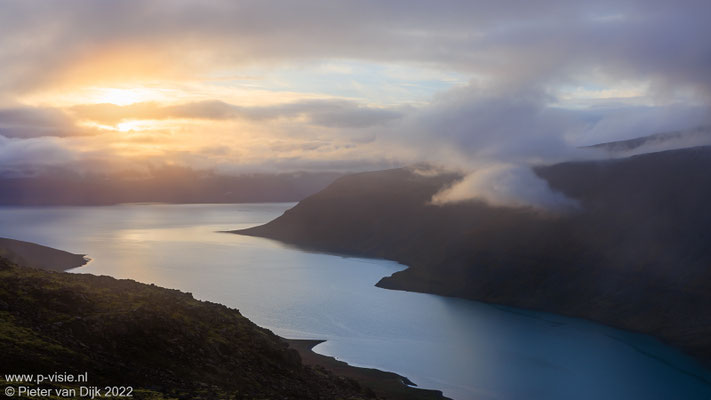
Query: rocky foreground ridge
point(161, 342)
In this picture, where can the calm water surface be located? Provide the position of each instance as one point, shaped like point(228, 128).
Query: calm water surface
point(467, 349)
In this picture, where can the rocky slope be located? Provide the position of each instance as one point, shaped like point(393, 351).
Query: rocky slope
point(636, 256)
point(162, 342)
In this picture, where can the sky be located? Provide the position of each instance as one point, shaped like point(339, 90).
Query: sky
point(274, 86)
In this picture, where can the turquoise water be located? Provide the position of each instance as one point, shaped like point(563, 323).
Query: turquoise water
point(467, 349)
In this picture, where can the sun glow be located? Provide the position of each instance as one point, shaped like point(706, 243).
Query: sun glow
point(127, 126)
point(122, 97)
point(134, 126)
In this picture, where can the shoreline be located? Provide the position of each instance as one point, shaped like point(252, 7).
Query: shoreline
point(397, 283)
point(35, 255)
point(383, 383)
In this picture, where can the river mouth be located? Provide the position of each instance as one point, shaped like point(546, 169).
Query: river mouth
point(468, 350)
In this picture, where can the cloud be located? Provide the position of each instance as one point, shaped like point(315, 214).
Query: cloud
point(496, 135)
point(490, 123)
point(493, 135)
point(328, 112)
point(506, 41)
point(610, 123)
point(336, 113)
point(28, 154)
point(521, 57)
point(699, 136)
point(506, 185)
point(111, 114)
point(30, 122)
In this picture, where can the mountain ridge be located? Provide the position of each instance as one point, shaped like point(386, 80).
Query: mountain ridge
point(63, 187)
point(635, 256)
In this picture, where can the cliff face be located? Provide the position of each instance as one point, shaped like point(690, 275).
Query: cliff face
point(163, 343)
point(637, 255)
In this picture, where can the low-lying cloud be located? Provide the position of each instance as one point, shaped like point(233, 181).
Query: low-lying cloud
point(494, 136)
point(507, 185)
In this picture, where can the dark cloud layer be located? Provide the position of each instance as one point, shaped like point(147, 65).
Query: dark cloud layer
point(30, 122)
point(29, 154)
point(513, 41)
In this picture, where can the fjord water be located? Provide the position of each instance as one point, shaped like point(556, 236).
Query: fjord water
point(467, 349)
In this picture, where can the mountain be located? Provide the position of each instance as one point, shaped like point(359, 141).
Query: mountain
point(34, 255)
point(637, 254)
point(165, 185)
point(699, 136)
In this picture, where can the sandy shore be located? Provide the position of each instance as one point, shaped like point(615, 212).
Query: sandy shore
point(387, 384)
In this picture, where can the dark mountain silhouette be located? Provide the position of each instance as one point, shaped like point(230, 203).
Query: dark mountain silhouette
point(637, 255)
point(165, 185)
point(699, 136)
point(34, 255)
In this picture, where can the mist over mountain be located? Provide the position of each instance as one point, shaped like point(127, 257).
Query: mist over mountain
point(634, 254)
point(166, 185)
point(699, 136)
